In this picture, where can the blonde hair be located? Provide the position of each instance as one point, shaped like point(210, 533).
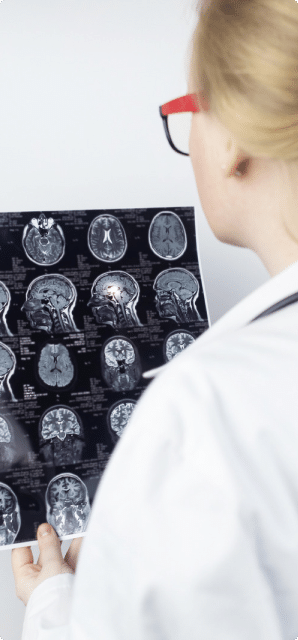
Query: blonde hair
point(244, 58)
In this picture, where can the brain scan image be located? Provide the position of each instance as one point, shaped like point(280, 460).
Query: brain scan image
point(176, 292)
point(55, 367)
point(167, 236)
point(10, 518)
point(61, 437)
point(106, 238)
point(67, 504)
point(7, 444)
point(7, 368)
point(176, 342)
point(120, 364)
point(114, 296)
point(50, 300)
point(119, 415)
point(4, 306)
point(43, 241)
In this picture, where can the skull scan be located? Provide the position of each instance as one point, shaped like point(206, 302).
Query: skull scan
point(167, 236)
point(43, 241)
point(5, 298)
point(7, 444)
point(67, 504)
point(176, 342)
point(50, 300)
point(114, 296)
point(55, 367)
point(7, 368)
point(10, 518)
point(61, 437)
point(107, 238)
point(120, 364)
point(119, 415)
point(176, 292)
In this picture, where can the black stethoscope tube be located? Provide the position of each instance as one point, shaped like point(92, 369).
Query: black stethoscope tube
point(278, 305)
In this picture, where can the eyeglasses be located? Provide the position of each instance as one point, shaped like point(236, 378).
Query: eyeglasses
point(176, 116)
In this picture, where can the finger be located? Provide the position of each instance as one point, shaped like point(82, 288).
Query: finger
point(71, 557)
point(49, 547)
point(20, 557)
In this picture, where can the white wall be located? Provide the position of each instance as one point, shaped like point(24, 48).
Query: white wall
point(80, 87)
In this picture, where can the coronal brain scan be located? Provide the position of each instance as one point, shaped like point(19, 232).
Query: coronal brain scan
point(107, 238)
point(7, 368)
point(55, 366)
point(120, 363)
point(50, 300)
point(167, 236)
point(67, 504)
point(43, 241)
point(119, 415)
point(10, 518)
point(176, 293)
point(176, 342)
point(4, 306)
point(114, 296)
point(61, 436)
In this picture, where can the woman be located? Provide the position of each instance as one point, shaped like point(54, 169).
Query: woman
point(194, 528)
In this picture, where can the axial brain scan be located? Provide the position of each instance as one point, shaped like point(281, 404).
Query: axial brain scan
point(4, 306)
point(120, 364)
point(7, 445)
point(167, 236)
point(119, 415)
point(55, 367)
point(114, 296)
point(7, 368)
point(176, 293)
point(61, 436)
point(177, 342)
point(107, 238)
point(43, 241)
point(10, 518)
point(50, 300)
point(67, 504)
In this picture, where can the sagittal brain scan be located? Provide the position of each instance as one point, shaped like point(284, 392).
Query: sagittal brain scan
point(176, 342)
point(114, 296)
point(120, 364)
point(67, 504)
point(43, 241)
point(167, 236)
point(119, 415)
point(55, 367)
point(4, 306)
point(10, 518)
point(50, 300)
point(7, 368)
point(176, 293)
point(61, 437)
point(7, 444)
point(107, 238)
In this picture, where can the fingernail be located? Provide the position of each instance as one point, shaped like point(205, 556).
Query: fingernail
point(44, 531)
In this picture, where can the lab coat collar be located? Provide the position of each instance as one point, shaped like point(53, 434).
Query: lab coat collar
point(276, 288)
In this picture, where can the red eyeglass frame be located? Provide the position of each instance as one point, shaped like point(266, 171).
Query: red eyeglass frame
point(190, 102)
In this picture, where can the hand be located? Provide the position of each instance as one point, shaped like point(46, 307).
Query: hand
point(50, 562)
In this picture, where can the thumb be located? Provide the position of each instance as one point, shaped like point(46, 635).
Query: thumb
point(49, 546)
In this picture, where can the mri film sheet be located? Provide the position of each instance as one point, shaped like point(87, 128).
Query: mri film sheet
point(89, 301)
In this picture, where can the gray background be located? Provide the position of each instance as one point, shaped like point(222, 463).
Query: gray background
point(80, 87)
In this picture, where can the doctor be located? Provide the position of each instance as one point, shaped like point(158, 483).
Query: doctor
point(194, 528)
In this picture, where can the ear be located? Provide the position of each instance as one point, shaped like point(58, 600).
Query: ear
point(237, 161)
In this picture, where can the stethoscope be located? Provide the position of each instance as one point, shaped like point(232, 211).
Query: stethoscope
point(278, 305)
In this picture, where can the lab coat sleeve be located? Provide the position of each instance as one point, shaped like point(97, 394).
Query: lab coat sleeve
point(48, 610)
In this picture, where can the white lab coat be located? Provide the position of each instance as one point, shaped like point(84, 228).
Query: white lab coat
point(193, 532)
